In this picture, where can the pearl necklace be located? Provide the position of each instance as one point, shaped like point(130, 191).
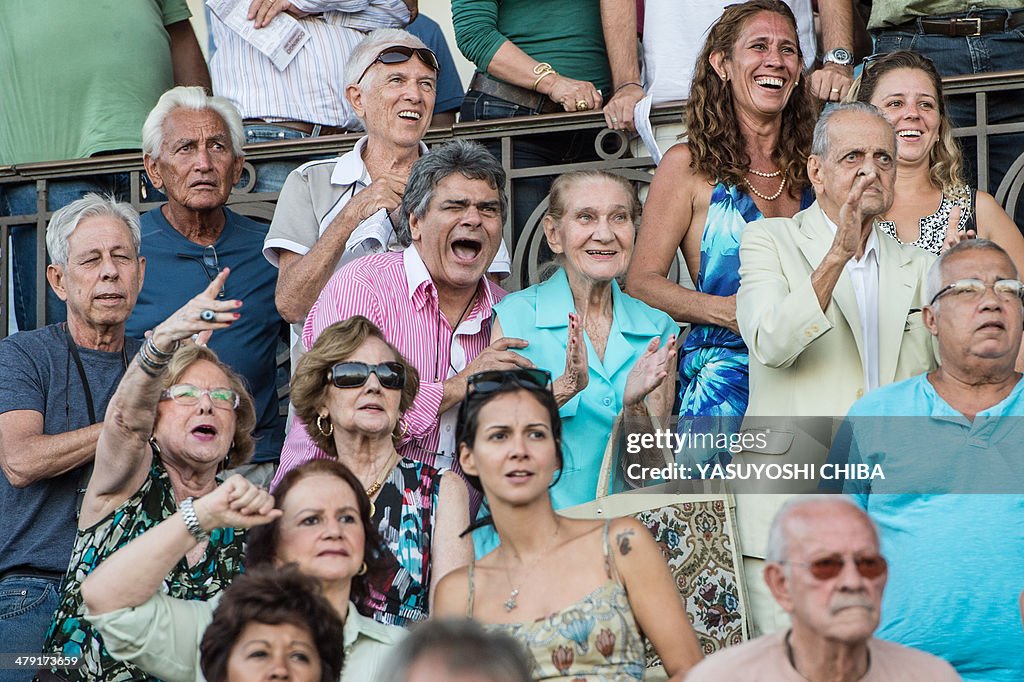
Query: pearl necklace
point(773, 197)
point(765, 175)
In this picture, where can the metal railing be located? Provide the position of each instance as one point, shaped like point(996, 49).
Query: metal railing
point(612, 151)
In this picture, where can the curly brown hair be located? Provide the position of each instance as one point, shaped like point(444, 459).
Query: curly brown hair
point(243, 444)
point(717, 147)
point(272, 597)
point(310, 383)
point(945, 163)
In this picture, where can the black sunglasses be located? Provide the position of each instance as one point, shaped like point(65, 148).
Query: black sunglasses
point(355, 374)
point(399, 54)
point(488, 382)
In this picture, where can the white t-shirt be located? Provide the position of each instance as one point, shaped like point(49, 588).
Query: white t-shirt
point(674, 34)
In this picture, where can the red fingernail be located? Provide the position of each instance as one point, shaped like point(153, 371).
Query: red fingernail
point(237, 315)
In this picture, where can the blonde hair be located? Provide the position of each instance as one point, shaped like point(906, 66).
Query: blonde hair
point(945, 163)
point(311, 383)
point(243, 444)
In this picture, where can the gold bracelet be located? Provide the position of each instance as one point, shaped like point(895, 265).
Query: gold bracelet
point(541, 70)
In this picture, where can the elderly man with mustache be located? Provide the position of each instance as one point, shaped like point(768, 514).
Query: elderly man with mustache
point(825, 569)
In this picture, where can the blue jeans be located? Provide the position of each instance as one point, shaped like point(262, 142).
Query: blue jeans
point(968, 55)
point(270, 175)
point(27, 605)
point(529, 152)
point(20, 199)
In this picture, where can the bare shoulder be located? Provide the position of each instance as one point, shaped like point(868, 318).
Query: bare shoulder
point(451, 596)
point(677, 164)
point(452, 485)
point(987, 205)
point(627, 536)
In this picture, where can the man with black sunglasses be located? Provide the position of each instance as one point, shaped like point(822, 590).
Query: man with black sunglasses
point(826, 570)
point(951, 507)
point(192, 145)
point(332, 211)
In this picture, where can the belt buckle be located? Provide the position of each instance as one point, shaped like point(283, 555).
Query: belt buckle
point(967, 20)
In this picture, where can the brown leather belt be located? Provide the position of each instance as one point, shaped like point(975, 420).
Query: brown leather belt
point(964, 26)
point(313, 129)
point(481, 82)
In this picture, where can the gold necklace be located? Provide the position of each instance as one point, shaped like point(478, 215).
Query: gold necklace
point(510, 603)
point(773, 197)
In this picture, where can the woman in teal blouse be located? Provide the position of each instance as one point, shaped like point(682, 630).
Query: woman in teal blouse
point(610, 351)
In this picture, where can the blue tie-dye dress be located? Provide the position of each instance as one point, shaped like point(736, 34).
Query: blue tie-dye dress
point(713, 374)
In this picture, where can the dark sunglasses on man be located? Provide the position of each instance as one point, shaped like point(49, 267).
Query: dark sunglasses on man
point(493, 380)
point(399, 54)
point(355, 374)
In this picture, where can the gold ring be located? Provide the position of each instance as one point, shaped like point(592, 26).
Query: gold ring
point(581, 105)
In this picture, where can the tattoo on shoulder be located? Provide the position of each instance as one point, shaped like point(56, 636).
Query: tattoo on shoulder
point(622, 540)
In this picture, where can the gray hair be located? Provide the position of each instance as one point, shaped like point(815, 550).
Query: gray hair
point(364, 54)
point(469, 159)
point(462, 647)
point(934, 283)
point(820, 142)
point(64, 222)
point(193, 98)
point(777, 551)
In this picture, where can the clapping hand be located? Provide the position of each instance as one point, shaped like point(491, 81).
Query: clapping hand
point(577, 371)
point(650, 371)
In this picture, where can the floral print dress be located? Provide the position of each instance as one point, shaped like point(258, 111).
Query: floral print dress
point(71, 635)
point(595, 638)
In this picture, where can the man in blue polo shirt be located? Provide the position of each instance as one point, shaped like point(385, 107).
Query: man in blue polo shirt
point(950, 508)
point(192, 146)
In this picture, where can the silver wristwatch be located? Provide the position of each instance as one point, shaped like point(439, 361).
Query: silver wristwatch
point(839, 55)
point(188, 515)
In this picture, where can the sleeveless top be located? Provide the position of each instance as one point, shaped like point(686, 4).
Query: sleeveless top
point(595, 638)
point(713, 374)
point(404, 515)
point(71, 635)
point(933, 227)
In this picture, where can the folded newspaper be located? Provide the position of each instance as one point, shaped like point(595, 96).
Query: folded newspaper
point(280, 40)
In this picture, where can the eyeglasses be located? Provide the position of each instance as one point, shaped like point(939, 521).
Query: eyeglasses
point(210, 263)
point(355, 374)
point(399, 54)
point(187, 394)
point(826, 568)
point(972, 289)
point(488, 382)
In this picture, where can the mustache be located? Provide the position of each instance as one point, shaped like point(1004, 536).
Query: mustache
point(851, 601)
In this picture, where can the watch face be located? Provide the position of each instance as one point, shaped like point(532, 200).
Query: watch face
point(839, 56)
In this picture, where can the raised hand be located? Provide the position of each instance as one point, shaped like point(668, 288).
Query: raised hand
point(850, 231)
point(235, 503)
point(385, 191)
point(649, 371)
point(953, 234)
point(201, 316)
point(577, 370)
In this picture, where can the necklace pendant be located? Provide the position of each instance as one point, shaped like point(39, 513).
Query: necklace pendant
point(510, 603)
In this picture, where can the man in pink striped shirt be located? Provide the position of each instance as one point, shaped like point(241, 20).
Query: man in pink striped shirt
point(432, 300)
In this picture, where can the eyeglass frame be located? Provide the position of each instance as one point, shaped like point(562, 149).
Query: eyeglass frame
point(208, 263)
point(393, 365)
point(401, 49)
point(858, 562)
point(530, 379)
point(986, 286)
point(167, 394)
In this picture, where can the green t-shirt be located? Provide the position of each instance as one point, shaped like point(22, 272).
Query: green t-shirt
point(889, 13)
point(564, 33)
point(79, 77)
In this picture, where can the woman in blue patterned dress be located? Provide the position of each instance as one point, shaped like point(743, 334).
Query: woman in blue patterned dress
point(750, 121)
point(178, 416)
point(350, 390)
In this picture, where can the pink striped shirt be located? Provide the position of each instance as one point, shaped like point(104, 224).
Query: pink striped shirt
point(395, 291)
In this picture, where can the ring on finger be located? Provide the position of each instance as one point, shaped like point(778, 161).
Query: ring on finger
point(207, 315)
point(582, 105)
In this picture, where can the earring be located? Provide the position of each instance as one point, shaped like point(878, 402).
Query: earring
point(403, 429)
point(153, 444)
point(362, 569)
point(320, 427)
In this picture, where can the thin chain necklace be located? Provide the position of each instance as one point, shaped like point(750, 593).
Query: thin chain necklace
point(773, 197)
point(510, 603)
point(379, 482)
